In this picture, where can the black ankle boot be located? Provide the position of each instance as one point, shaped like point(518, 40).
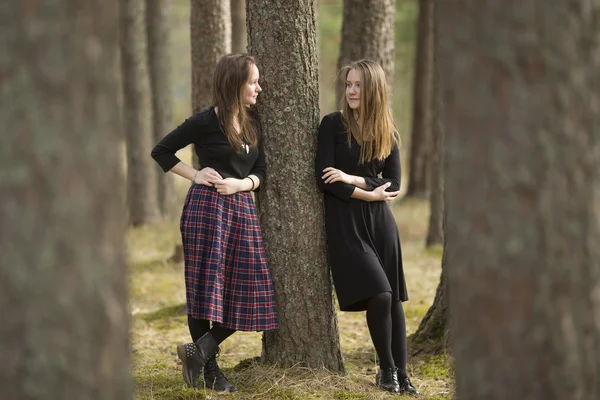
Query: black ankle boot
point(214, 378)
point(387, 379)
point(406, 385)
point(194, 356)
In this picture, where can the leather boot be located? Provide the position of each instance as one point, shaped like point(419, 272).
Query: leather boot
point(406, 385)
point(214, 378)
point(194, 356)
point(387, 379)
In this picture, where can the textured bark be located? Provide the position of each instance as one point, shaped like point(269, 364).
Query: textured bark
point(210, 29)
point(435, 231)
point(368, 32)
point(239, 38)
point(141, 173)
point(433, 332)
point(159, 67)
point(421, 138)
point(64, 331)
point(291, 207)
point(522, 96)
point(432, 335)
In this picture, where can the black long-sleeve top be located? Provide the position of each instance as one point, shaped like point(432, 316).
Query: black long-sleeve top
point(212, 147)
point(333, 151)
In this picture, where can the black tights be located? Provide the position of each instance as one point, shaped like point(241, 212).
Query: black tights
point(199, 327)
point(388, 330)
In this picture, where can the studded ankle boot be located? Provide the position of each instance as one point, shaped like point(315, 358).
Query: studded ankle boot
point(194, 356)
point(214, 378)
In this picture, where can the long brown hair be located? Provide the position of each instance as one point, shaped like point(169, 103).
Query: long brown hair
point(231, 75)
point(375, 130)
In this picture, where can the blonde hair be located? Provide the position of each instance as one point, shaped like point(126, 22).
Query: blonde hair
point(230, 77)
point(375, 131)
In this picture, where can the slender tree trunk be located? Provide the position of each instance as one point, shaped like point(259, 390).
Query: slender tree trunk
point(435, 231)
point(421, 138)
point(239, 39)
point(432, 334)
point(64, 331)
point(294, 235)
point(368, 32)
point(159, 66)
point(210, 29)
point(141, 173)
point(523, 122)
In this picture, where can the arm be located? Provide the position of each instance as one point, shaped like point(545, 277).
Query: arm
point(259, 170)
point(164, 151)
point(390, 174)
point(326, 158)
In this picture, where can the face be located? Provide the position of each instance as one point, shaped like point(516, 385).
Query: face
point(353, 89)
point(251, 89)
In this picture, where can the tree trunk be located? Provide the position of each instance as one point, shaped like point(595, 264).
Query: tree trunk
point(433, 332)
point(239, 40)
point(64, 331)
point(421, 139)
point(210, 29)
point(432, 335)
point(522, 94)
point(141, 173)
point(435, 231)
point(159, 66)
point(291, 207)
point(368, 32)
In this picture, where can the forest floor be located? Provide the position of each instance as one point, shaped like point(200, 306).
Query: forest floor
point(157, 305)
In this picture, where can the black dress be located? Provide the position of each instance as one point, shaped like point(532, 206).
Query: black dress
point(363, 244)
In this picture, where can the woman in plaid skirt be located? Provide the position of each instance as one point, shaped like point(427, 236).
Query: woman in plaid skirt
point(227, 277)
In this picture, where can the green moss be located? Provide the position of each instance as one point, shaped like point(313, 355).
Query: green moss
point(434, 367)
point(165, 313)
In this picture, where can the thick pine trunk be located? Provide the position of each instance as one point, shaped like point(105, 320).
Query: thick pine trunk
point(522, 96)
point(210, 30)
point(291, 207)
point(368, 32)
point(64, 331)
point(421, 138)
point(141, 173)
point(159, 67)
point(239, 39)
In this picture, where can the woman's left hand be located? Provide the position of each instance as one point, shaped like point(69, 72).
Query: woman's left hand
point(336, 175)
point(228, 186)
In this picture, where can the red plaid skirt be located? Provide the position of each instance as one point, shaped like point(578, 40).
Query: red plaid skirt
point(227, 277)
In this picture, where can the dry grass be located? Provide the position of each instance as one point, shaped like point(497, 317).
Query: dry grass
point(159, 323)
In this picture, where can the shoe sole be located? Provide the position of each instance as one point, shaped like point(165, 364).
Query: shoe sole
point(184, 369)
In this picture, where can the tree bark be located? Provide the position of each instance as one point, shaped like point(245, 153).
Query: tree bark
point(141, 173)
point(210, 29)
point(522, 94)
point(159, 66)
point(421, 137)
point(435, 231)
point(239, 38)
point(290, 205)
point(64, 331)
point(368, 32)
point(432, 335)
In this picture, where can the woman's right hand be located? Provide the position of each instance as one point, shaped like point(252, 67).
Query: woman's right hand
point(379, 193)
point(207, 177)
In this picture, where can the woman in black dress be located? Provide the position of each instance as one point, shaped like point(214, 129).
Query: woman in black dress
point(355, 145)
point(227, 277)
